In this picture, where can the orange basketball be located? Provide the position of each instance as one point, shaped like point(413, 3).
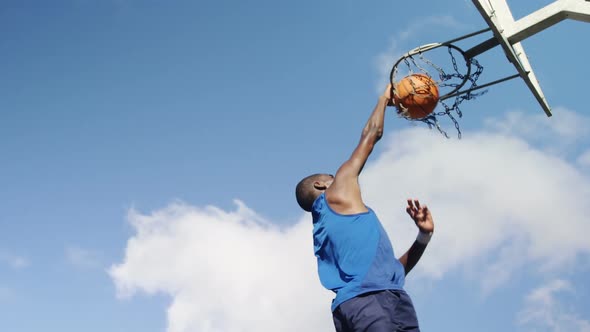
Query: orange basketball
point(415, 96)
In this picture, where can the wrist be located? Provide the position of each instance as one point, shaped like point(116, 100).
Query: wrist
point(423, 238)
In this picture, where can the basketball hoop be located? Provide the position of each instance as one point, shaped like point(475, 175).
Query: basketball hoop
point(459, 72)
point(462, 70)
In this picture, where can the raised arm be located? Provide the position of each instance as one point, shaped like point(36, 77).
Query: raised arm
point(344, 194)
point(423, 219)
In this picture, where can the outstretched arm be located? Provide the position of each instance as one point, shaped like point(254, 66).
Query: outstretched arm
point(423, 219)
point(344, 194)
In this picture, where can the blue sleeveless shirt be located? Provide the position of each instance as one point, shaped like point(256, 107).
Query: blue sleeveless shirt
point(353, 252)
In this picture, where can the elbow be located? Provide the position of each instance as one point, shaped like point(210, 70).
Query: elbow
point(379, 133)
point(373, 133)
point(374, 128)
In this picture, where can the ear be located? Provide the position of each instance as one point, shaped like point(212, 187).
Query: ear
point(320, 185)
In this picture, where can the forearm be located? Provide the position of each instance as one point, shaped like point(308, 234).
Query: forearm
point(413, 255)
point(373, 130)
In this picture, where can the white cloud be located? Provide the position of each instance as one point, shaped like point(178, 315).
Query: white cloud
point(82, 258)
point(499, 204)
point(557, 134)
point(429, 23)
point(544, 312)
point(226, 271)
point(584, 159)
point(14, 261)
point(385, 60)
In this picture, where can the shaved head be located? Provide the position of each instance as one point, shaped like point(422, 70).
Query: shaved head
point(306, 192)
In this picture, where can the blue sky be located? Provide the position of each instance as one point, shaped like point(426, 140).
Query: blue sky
point(149, 152)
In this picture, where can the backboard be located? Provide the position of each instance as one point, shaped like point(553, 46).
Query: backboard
point(508, 33)
point(456, 71)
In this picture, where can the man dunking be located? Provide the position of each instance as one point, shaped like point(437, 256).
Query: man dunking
point(355, 257)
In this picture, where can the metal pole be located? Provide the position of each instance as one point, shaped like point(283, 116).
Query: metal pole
point(479, 87)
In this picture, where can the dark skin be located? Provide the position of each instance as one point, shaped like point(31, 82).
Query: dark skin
point(343, 192)
point(423, 219)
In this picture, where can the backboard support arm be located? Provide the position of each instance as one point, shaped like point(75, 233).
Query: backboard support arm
point(536, 22)
point(509, 33)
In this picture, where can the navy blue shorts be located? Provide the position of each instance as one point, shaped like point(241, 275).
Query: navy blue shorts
point(382, 311)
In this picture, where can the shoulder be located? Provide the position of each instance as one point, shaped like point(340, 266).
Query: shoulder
point(345, 199)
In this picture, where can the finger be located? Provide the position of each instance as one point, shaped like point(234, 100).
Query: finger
point(414, 213)
point(409, 211)
point(417, 203)
point(410, 203)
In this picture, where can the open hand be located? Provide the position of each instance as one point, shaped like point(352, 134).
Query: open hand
point(421, 216)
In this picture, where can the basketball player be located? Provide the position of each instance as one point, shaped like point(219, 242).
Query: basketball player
point(355, 257)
